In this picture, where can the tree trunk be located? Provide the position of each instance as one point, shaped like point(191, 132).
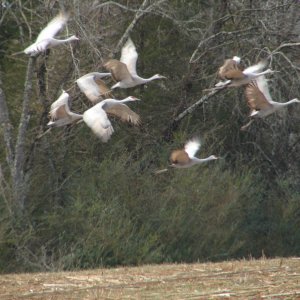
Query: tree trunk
point(19, 178)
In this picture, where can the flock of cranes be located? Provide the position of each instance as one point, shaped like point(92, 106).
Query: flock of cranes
point(257, 91)
point(124, 73)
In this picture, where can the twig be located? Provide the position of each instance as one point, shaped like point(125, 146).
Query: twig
point(64, 181)
point(287, 59)
point(285, 45)
point(264, 155)
point(222, 33)
point(119, 5)
point(190, 110)
point(127, 32)
point(137, 16)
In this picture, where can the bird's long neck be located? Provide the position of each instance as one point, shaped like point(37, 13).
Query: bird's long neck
point(69, 39)
point(293, 101)
point(202, 160)
point(112, 102)
point(101, 75)
point(279, 105)
point(145, 80)
point(124, 100)
point(269, 71)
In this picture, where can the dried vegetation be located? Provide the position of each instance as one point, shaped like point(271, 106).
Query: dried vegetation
point(244, 279)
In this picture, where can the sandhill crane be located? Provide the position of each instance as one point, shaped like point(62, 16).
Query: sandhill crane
point(60, 114)
point(236, 77)
point(46, 38)
point(185, 158)
point(124, 71)
point(96, 117)
point(93, 87)
point(260, 102)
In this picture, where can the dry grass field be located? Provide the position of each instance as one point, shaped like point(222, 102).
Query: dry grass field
point(244, 279)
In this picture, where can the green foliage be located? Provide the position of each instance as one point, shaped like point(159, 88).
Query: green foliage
point(121, 214)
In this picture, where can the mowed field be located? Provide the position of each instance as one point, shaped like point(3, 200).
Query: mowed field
point(243, 279)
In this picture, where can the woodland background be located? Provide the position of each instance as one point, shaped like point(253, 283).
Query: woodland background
point(68, 201)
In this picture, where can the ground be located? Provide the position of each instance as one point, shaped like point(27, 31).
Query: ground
point(243, 279)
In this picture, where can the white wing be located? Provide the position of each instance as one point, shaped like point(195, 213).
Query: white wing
point(96, 118)
point(88, 85)
point(255, 68)
point(129, 56)
point(53, 27)
point(263, 87)
point(93, 87)
point(60, 114)
point(192, 146)
point(62, 100)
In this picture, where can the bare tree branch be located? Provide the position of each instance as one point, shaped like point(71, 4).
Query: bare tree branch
point(127, 32)
point(188, 111)
point(119, 5)
point(286, 45)
point(222, 34)
point(141, 12)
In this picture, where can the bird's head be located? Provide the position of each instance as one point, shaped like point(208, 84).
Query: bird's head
point(158, 76)
point(51, 124)
point(132, 98)
point(74, 38)
point(237, 59)
point(173, 165)
point(213, 157)
point(296, 100)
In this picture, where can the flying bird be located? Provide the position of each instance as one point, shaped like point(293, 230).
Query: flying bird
point(124, 71)
point(60, 114)
point(235, 77)
point(46, 40)
point(97, 116)
point(185, 158)
point(94, 87)
point(260, 101)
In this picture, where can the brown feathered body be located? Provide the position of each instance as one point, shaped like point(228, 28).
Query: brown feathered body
point(185, 158)
point(60, 114)
point(260, 102)
point(124, 71)
point(235, 77)
point(97, 116)
point(230, 69)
